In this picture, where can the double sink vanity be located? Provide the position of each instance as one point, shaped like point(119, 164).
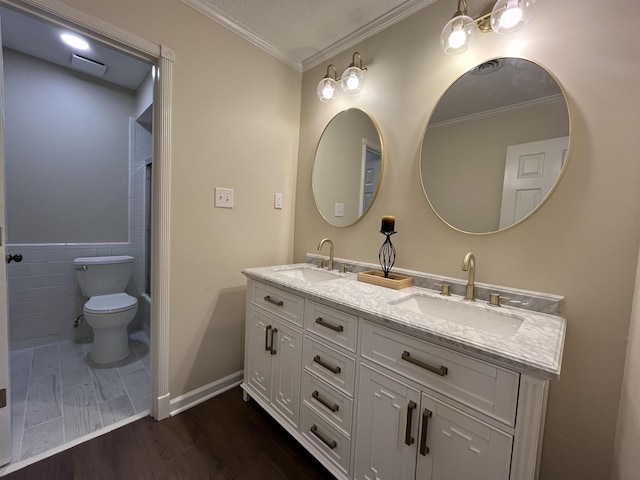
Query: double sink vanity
point(379, 383)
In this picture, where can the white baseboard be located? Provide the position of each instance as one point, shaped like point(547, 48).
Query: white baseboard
point(199, 395)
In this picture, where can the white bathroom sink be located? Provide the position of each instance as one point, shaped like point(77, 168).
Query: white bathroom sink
point(309, 274)
point(462, 313)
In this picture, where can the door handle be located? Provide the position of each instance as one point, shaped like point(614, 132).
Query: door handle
point(423, 437)
point(273, 332)
point(16, 257)
point(408, 439)
point(266, 338)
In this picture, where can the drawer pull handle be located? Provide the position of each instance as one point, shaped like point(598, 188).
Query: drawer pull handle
point(423, 437)
point(277, 303)
point(442, 371)
point(335, 328)
point(266, 338)
point(408, 439)
point(334, 408)
point(273, 332)
point(322, 363)
point(329, 443)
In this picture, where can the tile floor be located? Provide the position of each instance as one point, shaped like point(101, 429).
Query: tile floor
point(59, 394)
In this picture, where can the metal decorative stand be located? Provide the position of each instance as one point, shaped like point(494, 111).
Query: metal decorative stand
point(387, 254)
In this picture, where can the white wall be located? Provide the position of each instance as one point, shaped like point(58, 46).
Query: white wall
point(583, 243)
point(66, 155)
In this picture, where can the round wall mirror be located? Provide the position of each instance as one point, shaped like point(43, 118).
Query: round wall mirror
point(348, 167)
point(495, 146)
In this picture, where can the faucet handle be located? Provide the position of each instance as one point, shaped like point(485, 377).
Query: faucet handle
point(320, 263)
point(494, 299)
point(345, 268)
point(445, 289)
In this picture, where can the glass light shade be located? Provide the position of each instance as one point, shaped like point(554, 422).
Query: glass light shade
point(327, 89)
point(510, 15)
point(457, 34)
point(74, 41)
point(352, 80)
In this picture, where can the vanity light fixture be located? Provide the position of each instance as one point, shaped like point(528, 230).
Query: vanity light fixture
point(351, 81)
point(506, 16)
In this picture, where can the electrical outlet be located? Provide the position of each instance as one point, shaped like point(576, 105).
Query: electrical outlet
point(339, 210)
point(223, 197)
point(277, 200)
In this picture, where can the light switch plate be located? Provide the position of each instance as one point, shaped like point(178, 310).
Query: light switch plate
point(277, 200)
point(223, 197)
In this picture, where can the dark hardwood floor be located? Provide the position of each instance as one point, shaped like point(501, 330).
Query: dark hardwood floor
point(222, 438)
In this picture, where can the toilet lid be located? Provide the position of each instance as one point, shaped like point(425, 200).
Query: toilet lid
point(115, 302)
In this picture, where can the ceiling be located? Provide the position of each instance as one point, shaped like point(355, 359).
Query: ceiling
point(40, 39)
point(304, 33)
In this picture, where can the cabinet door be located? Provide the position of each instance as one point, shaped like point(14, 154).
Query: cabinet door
point(286, 371)
point(454, 445)
point(387, 428)
point(258, 354)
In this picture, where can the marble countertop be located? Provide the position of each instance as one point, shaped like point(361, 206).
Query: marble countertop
point(535, 348)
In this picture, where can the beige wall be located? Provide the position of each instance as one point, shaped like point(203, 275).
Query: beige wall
point(235, 124)
point(583, 243)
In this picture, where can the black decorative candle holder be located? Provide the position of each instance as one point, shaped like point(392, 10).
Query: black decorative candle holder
point(387, 254)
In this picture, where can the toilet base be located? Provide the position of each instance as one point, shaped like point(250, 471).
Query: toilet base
point(110, 345)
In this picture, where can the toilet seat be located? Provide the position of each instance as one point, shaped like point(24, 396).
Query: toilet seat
point(113, 303)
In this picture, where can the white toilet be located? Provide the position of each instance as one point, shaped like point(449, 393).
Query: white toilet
point(109, 310)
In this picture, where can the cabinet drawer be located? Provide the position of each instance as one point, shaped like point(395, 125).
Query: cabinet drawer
point(332, 325)
point(328, 402)
point(334, 367)
point(487, 388)
point(284, 305)
point(330, 441)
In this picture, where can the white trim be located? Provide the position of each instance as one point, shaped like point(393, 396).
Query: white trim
point(495, 112)
point(381, 23)
point(228, 22)
point(204, 393)
point(56, 11)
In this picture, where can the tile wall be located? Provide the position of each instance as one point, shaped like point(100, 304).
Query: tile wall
point(43, 294)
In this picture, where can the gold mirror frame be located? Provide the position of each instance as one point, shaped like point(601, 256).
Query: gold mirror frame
point(339, 172)
point(466, 196)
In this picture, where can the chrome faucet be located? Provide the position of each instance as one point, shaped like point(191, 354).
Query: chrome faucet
point(469, 264)
point(322, 242)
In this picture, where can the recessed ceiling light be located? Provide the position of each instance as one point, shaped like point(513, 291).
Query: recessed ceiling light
point(75, 41)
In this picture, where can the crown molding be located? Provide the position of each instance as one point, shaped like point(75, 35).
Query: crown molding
point(228, 22)
point(516, 107)
point(381, 23)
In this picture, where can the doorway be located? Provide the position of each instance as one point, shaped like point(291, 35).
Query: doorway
point(43, 355)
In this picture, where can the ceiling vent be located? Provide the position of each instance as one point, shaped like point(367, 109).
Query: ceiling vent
point(87, 65)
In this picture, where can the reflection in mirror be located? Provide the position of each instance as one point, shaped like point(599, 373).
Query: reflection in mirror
point(495, 146)
point(348, 168)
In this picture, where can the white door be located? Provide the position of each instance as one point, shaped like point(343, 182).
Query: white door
point(286, 371)
point(371, 164)
point(454, 445)
point(258, 355)
point(5, 407)
point(530, 172)
point(387, 428)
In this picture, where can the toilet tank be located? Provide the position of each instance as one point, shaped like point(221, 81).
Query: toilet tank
point(103, 275)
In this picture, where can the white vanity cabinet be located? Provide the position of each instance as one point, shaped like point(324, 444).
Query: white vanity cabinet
point(273, 349)
point(372, 402)
point(405, 433)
